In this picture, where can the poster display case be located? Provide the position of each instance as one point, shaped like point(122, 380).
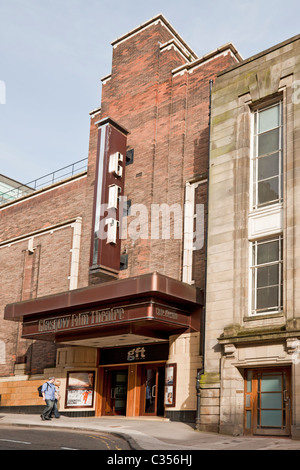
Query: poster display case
point(170, 385)
point(80, 389)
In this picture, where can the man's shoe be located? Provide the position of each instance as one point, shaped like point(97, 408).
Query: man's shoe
point(43, 418)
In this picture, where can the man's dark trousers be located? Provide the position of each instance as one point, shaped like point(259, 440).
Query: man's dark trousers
point(47, 411)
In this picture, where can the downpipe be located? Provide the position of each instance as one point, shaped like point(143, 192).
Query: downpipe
point(200, 372)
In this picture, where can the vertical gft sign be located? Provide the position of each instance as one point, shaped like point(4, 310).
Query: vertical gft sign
point(109, 187)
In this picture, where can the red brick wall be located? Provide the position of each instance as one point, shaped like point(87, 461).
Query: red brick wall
point(167, 115)
point(46, 271)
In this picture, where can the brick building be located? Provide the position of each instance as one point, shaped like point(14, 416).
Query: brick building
point(102, 273)
point(251, 380)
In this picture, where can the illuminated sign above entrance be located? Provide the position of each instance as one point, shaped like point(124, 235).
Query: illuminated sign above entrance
point(136, 354)
point(95, 320)
point(81, 319)
point(141, 353)
point(151, 306)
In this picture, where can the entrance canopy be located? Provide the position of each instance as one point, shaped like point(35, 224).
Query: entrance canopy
point(141, 309)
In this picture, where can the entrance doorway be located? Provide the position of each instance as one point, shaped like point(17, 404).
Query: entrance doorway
point(267, 402)
point(131, 390)
point(152, 397)
point(116, 391)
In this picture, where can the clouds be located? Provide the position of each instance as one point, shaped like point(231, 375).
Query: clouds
point(53, 54)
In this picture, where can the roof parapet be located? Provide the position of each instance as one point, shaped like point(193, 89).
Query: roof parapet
point(229, 47)
point(156, 19)
point(261, 54)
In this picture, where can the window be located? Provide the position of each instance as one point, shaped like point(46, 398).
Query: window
point(267, 156)
point(126, 206)
point(266, 267)
point(123, 261)
point(129, 156)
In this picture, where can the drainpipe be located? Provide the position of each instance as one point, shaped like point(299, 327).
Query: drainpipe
point(203, 322)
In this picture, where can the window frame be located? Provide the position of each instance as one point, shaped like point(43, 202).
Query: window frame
point(254, 267)
point(255, 205)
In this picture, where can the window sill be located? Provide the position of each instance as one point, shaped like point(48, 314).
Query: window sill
point(270, 327)
point(264, 316)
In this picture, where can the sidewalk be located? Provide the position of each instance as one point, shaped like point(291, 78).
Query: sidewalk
point(155, 434)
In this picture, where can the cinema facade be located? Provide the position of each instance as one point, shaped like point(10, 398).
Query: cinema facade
point(142, 292)
point(93, 291)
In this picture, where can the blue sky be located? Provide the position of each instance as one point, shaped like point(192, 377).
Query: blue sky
point(53, 54)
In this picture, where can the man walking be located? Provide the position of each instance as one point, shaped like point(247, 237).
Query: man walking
point(48, 392)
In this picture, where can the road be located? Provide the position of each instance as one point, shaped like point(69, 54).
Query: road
point(24, 438)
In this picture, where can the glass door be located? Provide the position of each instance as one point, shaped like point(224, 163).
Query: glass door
point(116, 392)
point(153, 390)
point(267, 402)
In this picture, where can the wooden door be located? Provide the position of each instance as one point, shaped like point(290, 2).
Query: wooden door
point(268, 402)
point(116, 391)
point(152, 390)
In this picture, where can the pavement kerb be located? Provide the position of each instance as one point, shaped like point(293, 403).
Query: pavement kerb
point(131, 442)
point(141, 436)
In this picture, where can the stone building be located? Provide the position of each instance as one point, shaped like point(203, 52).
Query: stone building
point(102, 273)
point(252, 375)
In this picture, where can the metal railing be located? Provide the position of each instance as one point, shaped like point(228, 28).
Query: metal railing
point(44, 181)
